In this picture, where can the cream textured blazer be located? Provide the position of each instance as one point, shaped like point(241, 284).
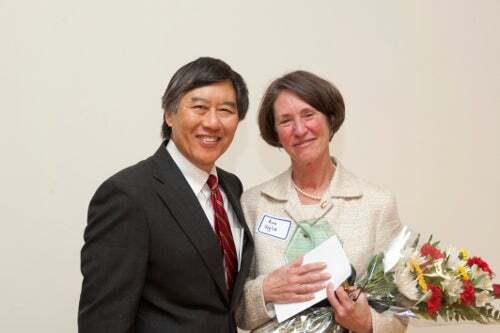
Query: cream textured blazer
point(363, 216)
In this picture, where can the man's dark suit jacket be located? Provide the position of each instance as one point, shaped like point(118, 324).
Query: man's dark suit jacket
point(151, 261)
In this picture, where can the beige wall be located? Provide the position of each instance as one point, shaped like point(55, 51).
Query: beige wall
point(80, 89)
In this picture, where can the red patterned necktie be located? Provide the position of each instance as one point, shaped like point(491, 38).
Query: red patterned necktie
point(223, 231)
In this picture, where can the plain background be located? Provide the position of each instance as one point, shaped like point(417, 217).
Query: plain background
point(81, 82)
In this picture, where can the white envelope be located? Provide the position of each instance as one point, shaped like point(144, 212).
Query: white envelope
point(332, 253)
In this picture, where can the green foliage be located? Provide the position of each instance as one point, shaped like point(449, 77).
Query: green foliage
point(376, 283)
point(415, 243)
point(483, 315)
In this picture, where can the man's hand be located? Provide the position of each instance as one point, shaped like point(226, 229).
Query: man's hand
point(295, 282)
point(352, 314)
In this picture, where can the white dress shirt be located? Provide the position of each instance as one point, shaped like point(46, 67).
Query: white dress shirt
point(197, 180)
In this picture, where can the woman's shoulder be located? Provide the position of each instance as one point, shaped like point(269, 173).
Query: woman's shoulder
point(366, 189)
point(274, 187)
point(372, 189)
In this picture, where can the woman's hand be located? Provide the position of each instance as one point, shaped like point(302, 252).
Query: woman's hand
point(295, 282)
point(352, 314)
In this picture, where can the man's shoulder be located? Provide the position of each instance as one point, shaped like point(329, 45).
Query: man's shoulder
point(133, 177)
point(226, 174)
point(230, 178)
point(133, 173)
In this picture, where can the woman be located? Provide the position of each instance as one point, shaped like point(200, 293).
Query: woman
point(311, 201)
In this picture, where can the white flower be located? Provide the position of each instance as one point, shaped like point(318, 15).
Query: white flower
point(438, 270)
point(410, 254)
point(406, 282)
point(483, 298)
point(480, 279)
point(453, 288)
point(475, 272)
point(484, 283)
point(454, 261)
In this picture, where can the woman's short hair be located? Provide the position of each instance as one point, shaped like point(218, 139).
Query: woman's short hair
point(315, 91)
point(202, 72)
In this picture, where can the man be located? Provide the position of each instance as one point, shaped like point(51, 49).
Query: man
point(165, 251)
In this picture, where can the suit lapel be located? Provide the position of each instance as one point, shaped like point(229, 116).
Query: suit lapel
point(233, 200)
point(248, 246)
point(180, 200)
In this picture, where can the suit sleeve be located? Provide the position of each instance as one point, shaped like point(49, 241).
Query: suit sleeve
point(113, 261)
point(388, 226)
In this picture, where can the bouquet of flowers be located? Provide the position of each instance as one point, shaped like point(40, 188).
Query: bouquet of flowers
point(420, 281)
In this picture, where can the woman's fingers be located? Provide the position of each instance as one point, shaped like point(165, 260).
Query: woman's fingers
point(305, 289)
point(361, 297)
point(345, 301)
point(339, 300)
point(343, 297)
point(293, 298)
point(296, 262)
point(309, 268)
point(353, 315)
point(295, 282)
point(309, 273)
point(314, 277)
point(332, 298)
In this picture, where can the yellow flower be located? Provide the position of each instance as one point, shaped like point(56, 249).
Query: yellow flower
point(420, 275)
point(464, 255)
point(463, 273)
point(422, 283)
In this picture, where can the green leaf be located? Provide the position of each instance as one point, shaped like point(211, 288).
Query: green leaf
point(415, 243)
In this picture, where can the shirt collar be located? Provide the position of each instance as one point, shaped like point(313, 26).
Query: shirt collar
point(343, 185)
point(196, 177)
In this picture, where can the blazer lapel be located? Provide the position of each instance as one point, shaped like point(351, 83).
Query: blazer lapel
point(248, 246)
point(180, 200)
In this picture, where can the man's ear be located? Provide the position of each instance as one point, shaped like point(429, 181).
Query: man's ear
point(168, 117)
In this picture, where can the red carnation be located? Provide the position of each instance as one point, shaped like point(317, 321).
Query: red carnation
point(480, 263)
point(467, 296)
point(434, 302)
point(429, 250)
point(496, 290)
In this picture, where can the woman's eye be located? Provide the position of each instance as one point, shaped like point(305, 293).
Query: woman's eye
point(284, 121)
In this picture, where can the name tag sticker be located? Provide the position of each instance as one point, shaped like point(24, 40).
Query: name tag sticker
point(274, 226)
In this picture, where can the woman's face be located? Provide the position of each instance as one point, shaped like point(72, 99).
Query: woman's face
point(302, 130)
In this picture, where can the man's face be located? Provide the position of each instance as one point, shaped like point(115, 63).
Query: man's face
point(205, 122)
